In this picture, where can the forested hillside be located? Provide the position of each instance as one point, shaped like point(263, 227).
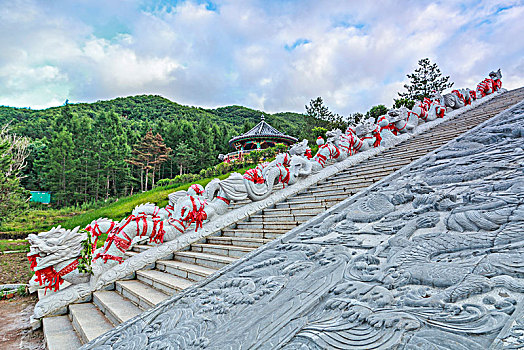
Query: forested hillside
point(82, 152)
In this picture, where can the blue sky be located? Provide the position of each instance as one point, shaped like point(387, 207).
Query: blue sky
point(270, 55)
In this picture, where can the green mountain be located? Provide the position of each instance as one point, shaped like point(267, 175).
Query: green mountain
point(81, 151)
point(147, 109)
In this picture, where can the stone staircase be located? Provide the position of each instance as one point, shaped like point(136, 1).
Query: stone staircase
point(148, 287)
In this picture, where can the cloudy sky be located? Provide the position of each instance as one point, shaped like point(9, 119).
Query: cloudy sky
point(269, 55)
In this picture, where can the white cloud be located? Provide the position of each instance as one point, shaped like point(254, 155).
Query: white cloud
point(274, 56)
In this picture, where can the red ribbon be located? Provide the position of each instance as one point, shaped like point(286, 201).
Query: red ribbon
point(50, 278)
point(96, 233)
point(308, 153)
point(224, 199)
point(32, 259)
point(253, 176)
point(284, 180)
point(392, 128)
point(197, 215)
point(157, 235)
point(122, 243)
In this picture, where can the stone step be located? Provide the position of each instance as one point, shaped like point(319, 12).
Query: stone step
point(254, 233)
point(114, 306)
point(298, 203)
point(139, 248)
point(204, 259)
point(88, 321)
point(374, 166)
point(308, 198)
point(163, 281)
point(297, 217)
point(339, 190)
point(221, 249)
point(59, 333)
point(140, 294)
point(130, 253)
point(181, 269)
point(297, 211)
point(267, 225)
point(342, 185)
point(238, 241)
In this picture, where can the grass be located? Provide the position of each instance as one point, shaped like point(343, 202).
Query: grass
point(37, 220)
point(14, 245)
point(41, 219)
point(122, 208)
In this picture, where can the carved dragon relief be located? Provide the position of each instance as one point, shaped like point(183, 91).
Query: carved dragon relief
point(451, 272)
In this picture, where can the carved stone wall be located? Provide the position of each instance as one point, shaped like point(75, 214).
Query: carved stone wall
point(431, 257)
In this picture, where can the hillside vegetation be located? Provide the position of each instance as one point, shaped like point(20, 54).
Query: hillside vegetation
point(81, 152)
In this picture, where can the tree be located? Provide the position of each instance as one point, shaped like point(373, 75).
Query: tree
point(376, 111)
point(148, 155)
point(406, 102)
point(183, 155)
point(317, 111)
point(426, 78)
point(13, 151)
point(319, 131)
point(110, 143)
point(355, 118)
point(160, 155)
point(60, 165)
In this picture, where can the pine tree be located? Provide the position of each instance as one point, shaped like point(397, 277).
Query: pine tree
point(316, 111)
point(183, 156)
point(426, 78)
point(204, 145)
point(160, 155)
point(59, 166)
point(355, 118)
point(148, 155)
point(376, 111)
point(112, 150)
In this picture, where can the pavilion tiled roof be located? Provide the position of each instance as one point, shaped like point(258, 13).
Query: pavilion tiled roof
point(263, 131)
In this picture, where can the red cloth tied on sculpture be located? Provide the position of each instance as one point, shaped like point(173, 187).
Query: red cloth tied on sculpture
point(157, 235)
point(308, 153)
point(119, 238)
point(283, 170)
point(459, 95)
point(253, 176)
point(32, 260)
point(378, 138)
point(198, 190)
point(51, 279)
point(391, 127)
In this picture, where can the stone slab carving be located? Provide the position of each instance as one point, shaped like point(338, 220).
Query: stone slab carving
point(431, 257)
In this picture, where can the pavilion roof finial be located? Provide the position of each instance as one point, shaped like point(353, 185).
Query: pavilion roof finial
point(262, 117)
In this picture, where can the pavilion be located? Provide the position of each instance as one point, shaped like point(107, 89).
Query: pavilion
point(262, 136)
